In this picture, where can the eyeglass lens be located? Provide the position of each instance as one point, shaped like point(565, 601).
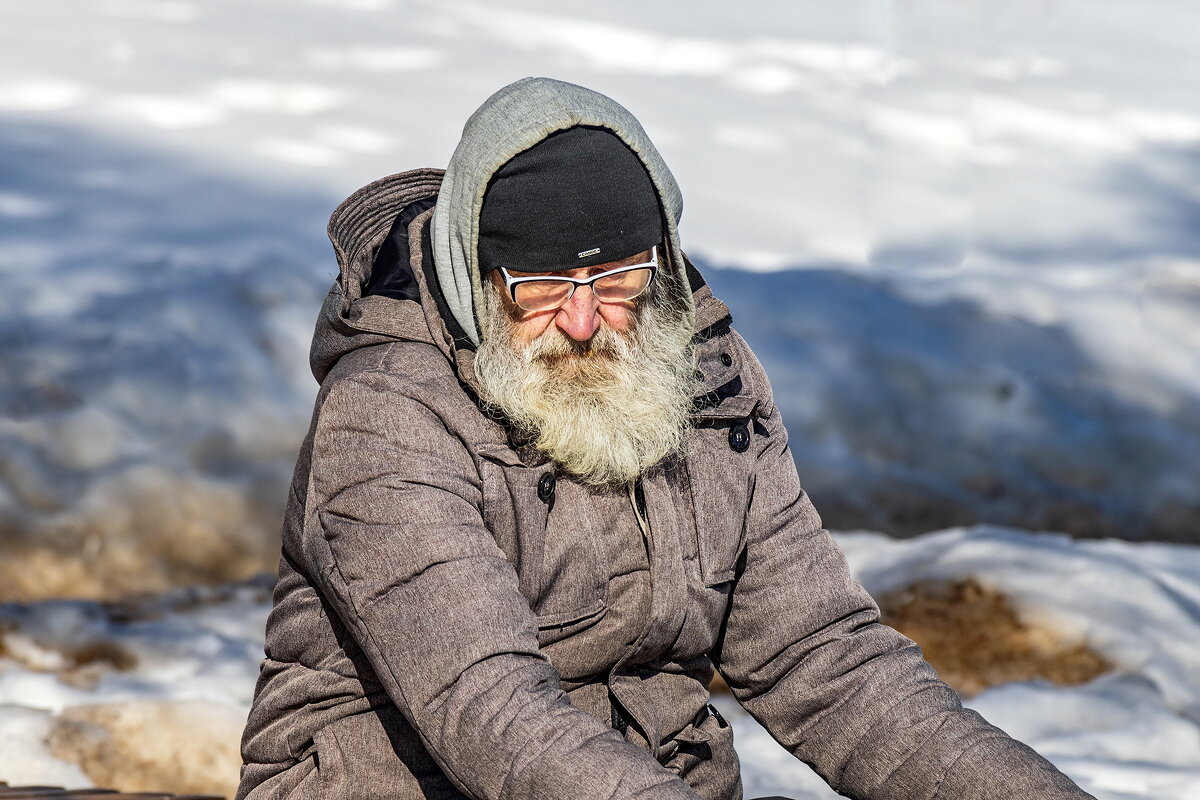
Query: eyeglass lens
point(542, 295)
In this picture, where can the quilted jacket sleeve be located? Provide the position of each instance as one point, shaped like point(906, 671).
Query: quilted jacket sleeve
point(804, 652)
point(395, 538)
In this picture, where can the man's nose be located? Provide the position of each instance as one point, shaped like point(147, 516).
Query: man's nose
point(579, 317)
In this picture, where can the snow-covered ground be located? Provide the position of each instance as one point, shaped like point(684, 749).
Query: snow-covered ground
point(191, 657)
point(993, 312)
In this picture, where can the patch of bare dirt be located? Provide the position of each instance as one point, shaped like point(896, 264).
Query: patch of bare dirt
point(76, 663)
point(148, 540)
point(974, 638)
point(141, 746)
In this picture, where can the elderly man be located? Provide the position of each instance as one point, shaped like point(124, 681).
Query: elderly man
point(545, 492)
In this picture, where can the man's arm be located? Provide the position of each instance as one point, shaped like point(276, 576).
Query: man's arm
point(804, 652)
point(395, 537)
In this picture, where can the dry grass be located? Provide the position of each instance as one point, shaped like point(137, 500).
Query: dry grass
point(178, 747)
point(975, 639)
point(150, 538)
point(78, 664)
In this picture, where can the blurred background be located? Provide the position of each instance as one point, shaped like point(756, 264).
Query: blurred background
point(964, 238)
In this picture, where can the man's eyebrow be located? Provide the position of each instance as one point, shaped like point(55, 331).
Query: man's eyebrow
point(554, 273)
point(594, 269)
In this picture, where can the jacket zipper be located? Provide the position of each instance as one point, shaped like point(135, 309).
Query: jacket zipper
point(620, 720)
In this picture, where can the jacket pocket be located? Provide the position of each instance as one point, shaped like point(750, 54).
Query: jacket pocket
point(703, 755)
point(719, 462)
point(376, 755)
point(517, 520)
point(557, 561)
point(331, 766)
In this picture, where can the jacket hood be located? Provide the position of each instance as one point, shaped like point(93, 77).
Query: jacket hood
point(349, 320)
point(389, 220)
point(511, 121)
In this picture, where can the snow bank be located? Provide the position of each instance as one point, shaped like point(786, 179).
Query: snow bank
point(188, 660)
point(909, 413)
point(1134, 733)
point(149, 693)
point(25, 758)
point(1137, 606)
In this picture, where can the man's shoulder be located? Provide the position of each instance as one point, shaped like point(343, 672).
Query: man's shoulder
point(405, 369)
point(406, 392)
point(727, 363)
point(753, 374)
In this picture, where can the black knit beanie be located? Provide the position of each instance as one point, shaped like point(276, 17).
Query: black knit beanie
point(578, 198)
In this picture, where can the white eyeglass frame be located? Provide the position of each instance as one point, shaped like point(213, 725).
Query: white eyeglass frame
point(510, 282)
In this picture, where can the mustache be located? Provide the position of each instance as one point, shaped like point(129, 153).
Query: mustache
point(554, 347)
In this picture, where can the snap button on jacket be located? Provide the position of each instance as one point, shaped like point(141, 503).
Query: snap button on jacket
point(545, 489)
point(739, 438)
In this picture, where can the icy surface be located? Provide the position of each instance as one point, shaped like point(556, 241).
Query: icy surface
point(1134, 733)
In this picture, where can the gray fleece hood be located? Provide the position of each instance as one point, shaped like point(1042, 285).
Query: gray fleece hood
point(511, 121)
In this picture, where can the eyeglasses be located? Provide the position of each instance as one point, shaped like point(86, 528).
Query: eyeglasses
point(544, 292)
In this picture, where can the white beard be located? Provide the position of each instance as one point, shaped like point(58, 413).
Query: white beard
point(605, 410)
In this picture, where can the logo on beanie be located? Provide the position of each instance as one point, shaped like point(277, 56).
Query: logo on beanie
point(587, 253)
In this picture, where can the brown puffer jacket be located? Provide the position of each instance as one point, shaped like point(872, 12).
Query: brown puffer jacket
point(453, 618)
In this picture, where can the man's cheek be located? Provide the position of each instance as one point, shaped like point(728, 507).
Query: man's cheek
point(617, 316)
